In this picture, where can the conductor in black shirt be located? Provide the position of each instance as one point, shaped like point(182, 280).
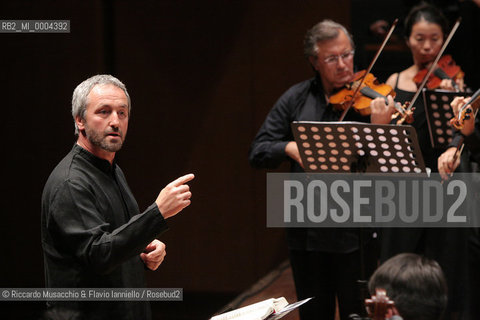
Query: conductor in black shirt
point(93, 233)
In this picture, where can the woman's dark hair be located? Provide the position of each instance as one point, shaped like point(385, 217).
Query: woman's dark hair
point(429, 13)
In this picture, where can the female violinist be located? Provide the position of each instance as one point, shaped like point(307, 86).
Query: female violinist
point(426, 29)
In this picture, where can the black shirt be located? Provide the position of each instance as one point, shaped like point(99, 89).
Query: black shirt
point(304, 101)
point(93, 233)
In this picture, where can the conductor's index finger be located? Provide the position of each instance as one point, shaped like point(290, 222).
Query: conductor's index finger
point(182, 180)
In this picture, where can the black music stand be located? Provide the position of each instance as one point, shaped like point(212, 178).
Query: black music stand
point(341, 147)
point(439, 113)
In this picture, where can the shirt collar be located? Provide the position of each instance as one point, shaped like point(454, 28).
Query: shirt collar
point(101, 164)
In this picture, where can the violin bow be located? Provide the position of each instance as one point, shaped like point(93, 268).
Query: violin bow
point(387, 37)
point(434, 64)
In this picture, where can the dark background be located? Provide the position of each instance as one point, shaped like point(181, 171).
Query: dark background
point(202, 76)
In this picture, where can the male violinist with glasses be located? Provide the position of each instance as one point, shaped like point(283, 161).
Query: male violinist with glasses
point(325, 261)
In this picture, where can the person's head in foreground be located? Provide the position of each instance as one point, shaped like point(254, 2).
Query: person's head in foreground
point(416, 285)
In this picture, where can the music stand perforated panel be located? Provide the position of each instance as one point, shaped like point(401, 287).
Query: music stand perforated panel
point(358, 147)
point(439, 113)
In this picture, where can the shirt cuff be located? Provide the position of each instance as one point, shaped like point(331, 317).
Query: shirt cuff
point(279, 148)
point(157, 218)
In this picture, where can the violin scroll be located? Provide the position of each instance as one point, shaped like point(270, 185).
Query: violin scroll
point(404, 113)
point(464, 112)
point(459, 122)
point(378, 305)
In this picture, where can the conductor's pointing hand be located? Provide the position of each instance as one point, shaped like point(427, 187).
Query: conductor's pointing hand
point(175, 196)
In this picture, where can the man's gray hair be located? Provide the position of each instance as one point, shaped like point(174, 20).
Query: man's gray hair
point(81, 92)
point(322, 31)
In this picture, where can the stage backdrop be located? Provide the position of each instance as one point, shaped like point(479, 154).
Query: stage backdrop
point(202, 76)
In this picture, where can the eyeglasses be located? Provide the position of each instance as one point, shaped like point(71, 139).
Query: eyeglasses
point(344, 56)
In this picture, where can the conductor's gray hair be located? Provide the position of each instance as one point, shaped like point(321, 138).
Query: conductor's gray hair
point(81, 92)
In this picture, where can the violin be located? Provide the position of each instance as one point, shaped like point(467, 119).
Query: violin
point(446, 68)
point(458, 121)
point(363, 89)
point(378, 305)
point(369, 89)
point(464, 112)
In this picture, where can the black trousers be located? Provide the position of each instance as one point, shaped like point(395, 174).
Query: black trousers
point(325, 275)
